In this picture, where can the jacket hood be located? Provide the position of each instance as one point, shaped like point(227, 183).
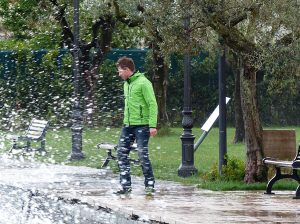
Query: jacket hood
point(134, 76)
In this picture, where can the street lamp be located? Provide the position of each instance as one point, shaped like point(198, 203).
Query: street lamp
point(222, 108)
point(187, 167)
point(77, 127)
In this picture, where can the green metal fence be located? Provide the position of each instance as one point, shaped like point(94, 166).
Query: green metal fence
point(8, 58)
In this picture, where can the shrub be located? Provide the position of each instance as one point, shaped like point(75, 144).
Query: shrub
point(233, 171)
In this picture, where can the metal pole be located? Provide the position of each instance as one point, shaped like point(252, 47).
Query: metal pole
point(187, 167)
point(77, 127)
point(222, 110)
point(200, 140)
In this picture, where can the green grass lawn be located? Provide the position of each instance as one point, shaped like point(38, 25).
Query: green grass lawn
point(165, 154)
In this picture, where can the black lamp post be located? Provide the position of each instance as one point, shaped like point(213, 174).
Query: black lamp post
point(222, 109)
point(77, 127)
point(187, 167)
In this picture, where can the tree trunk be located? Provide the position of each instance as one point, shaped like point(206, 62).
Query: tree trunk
point(160, 83)
point(255, 170)
point(90, 104)
point(90, 66)
point(239, 135)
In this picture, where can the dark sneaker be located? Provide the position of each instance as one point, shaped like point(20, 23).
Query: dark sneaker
point(149, 191)
point(123, 191)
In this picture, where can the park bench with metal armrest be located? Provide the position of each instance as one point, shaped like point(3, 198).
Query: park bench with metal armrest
point(111, 150)
point(35, 132)
point(284, 168)
point(292, 165)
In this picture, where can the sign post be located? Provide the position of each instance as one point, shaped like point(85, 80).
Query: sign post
point(208, 125)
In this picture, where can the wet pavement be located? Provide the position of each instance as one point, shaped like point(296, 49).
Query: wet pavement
point(32, 192)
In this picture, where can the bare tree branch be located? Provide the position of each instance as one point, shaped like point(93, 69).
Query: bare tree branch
point(122, 17)
point(67, 33)
point(234, 20)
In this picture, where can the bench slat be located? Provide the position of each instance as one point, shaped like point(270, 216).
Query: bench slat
point(33, 136)
point(106, 146)
point(34, 132)
point(280, 163)
point(39, 121)
point(38, 125)
point(113, 146)
point(40, 129)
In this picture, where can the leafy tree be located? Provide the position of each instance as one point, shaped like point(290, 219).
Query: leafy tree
point(53, 28)
point(100, 19)
point(256, 31)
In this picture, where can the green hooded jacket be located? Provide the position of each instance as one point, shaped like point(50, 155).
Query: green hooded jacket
point(140, 101)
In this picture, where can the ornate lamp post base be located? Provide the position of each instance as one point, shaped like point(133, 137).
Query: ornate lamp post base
point(187, 170)
point(76, 153)
point(187, 167)
point(76, 156)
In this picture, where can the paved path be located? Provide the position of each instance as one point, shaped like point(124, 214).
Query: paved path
point(93, 188)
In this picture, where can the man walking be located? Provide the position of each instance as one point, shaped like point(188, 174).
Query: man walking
point(140, 120)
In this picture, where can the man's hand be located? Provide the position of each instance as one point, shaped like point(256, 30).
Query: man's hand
point(153, 131)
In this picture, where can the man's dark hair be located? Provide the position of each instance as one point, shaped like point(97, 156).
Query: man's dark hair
point(125, 62)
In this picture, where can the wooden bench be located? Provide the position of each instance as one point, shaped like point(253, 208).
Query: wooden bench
point(35, 132)
point(280, 152)
point(111, 150)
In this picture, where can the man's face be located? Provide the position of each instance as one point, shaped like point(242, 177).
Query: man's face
point(124, 73)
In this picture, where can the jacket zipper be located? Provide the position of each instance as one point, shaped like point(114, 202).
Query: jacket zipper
point(141, 111)
point(128, 89)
